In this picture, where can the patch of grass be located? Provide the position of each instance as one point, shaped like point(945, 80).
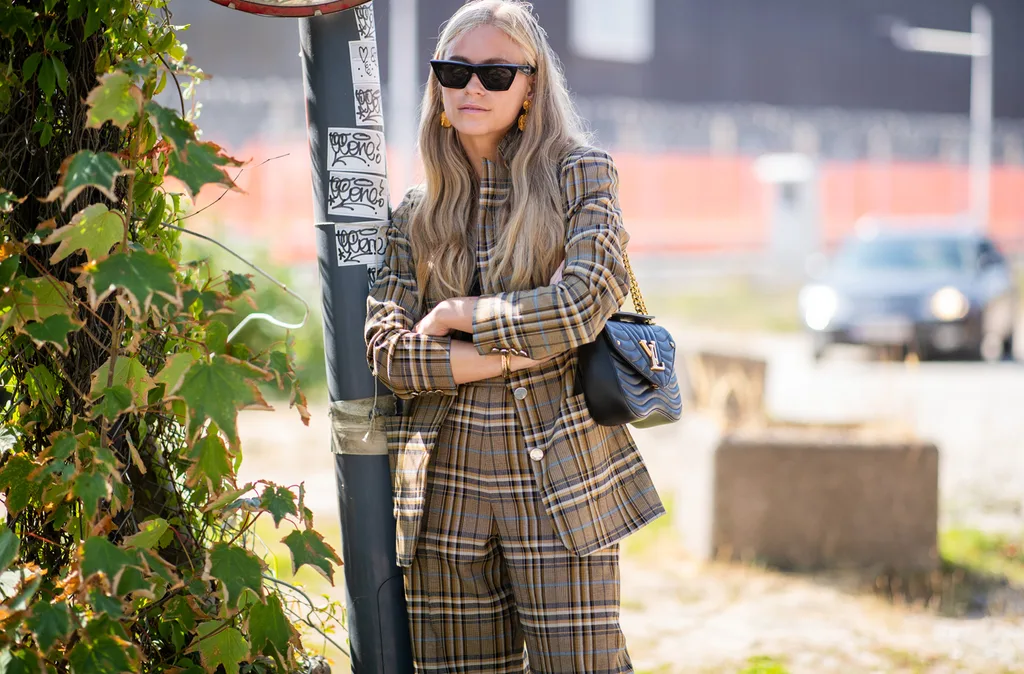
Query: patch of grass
point(731, 304)
point(760, 664)
point(979, 574)
point(909, 663)
point(984, 553)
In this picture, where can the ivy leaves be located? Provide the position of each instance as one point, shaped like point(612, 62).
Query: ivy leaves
point(99, 451)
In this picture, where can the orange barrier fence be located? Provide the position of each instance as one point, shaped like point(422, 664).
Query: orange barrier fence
point(671, 202)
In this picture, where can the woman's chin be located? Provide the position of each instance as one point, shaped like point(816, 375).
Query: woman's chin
point(479, 127)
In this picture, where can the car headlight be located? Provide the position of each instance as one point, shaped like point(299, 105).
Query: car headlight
point(949, 304)
point(819, 305)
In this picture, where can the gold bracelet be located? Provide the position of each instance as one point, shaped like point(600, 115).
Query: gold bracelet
point(506, 365)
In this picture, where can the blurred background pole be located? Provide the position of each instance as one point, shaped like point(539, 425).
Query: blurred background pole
point(345, 122)
point(981, 115)
point(978, 45)
point(403, 88)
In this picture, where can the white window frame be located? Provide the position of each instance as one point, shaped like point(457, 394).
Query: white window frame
point(612, 30)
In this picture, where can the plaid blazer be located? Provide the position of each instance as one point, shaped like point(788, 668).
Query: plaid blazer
point(594, 483)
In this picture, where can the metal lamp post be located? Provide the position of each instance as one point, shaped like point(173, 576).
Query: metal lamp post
point(978, 45)
point(344, 116)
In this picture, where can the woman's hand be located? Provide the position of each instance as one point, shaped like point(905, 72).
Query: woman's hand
point(434, 324)
point(452, 314)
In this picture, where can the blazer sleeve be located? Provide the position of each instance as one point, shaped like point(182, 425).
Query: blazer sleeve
point(560, 317)
point(410, 364)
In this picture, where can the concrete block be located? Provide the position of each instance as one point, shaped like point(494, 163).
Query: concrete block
point(813, 500)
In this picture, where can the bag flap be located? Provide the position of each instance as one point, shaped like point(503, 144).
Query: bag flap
point(645, 347)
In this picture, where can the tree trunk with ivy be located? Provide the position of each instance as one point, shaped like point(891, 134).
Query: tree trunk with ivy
point(128, 544)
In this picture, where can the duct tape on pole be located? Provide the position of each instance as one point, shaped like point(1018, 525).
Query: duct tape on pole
point(344, 115)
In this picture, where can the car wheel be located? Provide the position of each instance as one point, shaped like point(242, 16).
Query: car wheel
point(990, 349)
point(819, 344)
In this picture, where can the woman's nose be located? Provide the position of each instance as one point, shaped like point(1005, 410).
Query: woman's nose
point(475, 85)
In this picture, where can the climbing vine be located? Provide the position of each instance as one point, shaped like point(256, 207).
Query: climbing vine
point(129, 544)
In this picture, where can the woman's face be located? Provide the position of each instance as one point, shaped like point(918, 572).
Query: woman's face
point(475, 111)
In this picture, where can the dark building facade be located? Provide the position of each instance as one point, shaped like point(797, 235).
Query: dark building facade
point(790, 53)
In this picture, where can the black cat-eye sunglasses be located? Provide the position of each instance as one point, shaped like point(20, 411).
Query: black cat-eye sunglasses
point(494, 76)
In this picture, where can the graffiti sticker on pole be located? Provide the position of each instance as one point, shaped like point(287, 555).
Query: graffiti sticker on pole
point(360, 243)
point(357, 194)
point(368, 106)
point(355, 150)
point(365, 66)
point(364, 20)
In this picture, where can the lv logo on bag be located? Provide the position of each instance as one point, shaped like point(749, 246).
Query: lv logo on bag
point(651, 349)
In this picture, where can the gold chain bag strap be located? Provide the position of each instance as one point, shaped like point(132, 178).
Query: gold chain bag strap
point(628, 373)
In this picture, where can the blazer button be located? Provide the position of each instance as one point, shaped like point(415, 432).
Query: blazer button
point(536, 454)
point(519, 393)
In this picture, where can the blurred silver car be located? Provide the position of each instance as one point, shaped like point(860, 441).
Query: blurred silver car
point(933, 292)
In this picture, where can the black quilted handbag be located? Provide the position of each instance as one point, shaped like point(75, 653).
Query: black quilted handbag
point(628, 373)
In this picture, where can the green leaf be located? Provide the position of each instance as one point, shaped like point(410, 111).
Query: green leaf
point(104, 655)
point(54, 330)
point(61, 71)
point(106, 605)
point(49, 623)
point(84, 169)
point(280, 501)
point(201, 164)
point(133, 580)
point(115, 99)
point(91, 487)
point(238, 283)
point(160, 567)
point(25, 661)
point(212, 463)
point(47, 78)
point(171, 126)
point(101, 556)
point(173, 372)
point(35, 299)
point(237, 569)
point(128, 372)
point(9, 545)
point(95, 230)
point(269, 628)
point(116, 400)
point(226, 498)
point(216, 337)
point(217, 389)
point(14, 477)
point(46, 135)
point(225, 648)
point(141, 274)
point(23, 599)
point(9, 267)
point(28, 68)
point(8, 200)
point(179, 610)
point(308, 547)
point(150, 534)
point(42, 385)
point(17, 18)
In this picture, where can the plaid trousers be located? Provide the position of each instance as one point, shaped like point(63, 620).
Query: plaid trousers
point(490, 574)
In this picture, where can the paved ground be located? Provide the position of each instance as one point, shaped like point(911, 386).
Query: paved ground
point(681, 616)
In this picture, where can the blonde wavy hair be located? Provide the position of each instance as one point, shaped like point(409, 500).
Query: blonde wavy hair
point(531, 241)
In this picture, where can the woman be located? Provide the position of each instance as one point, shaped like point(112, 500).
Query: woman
point(510, 501)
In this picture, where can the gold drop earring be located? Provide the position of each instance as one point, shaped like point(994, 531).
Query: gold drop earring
point(445, 122)
point(522, 117)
